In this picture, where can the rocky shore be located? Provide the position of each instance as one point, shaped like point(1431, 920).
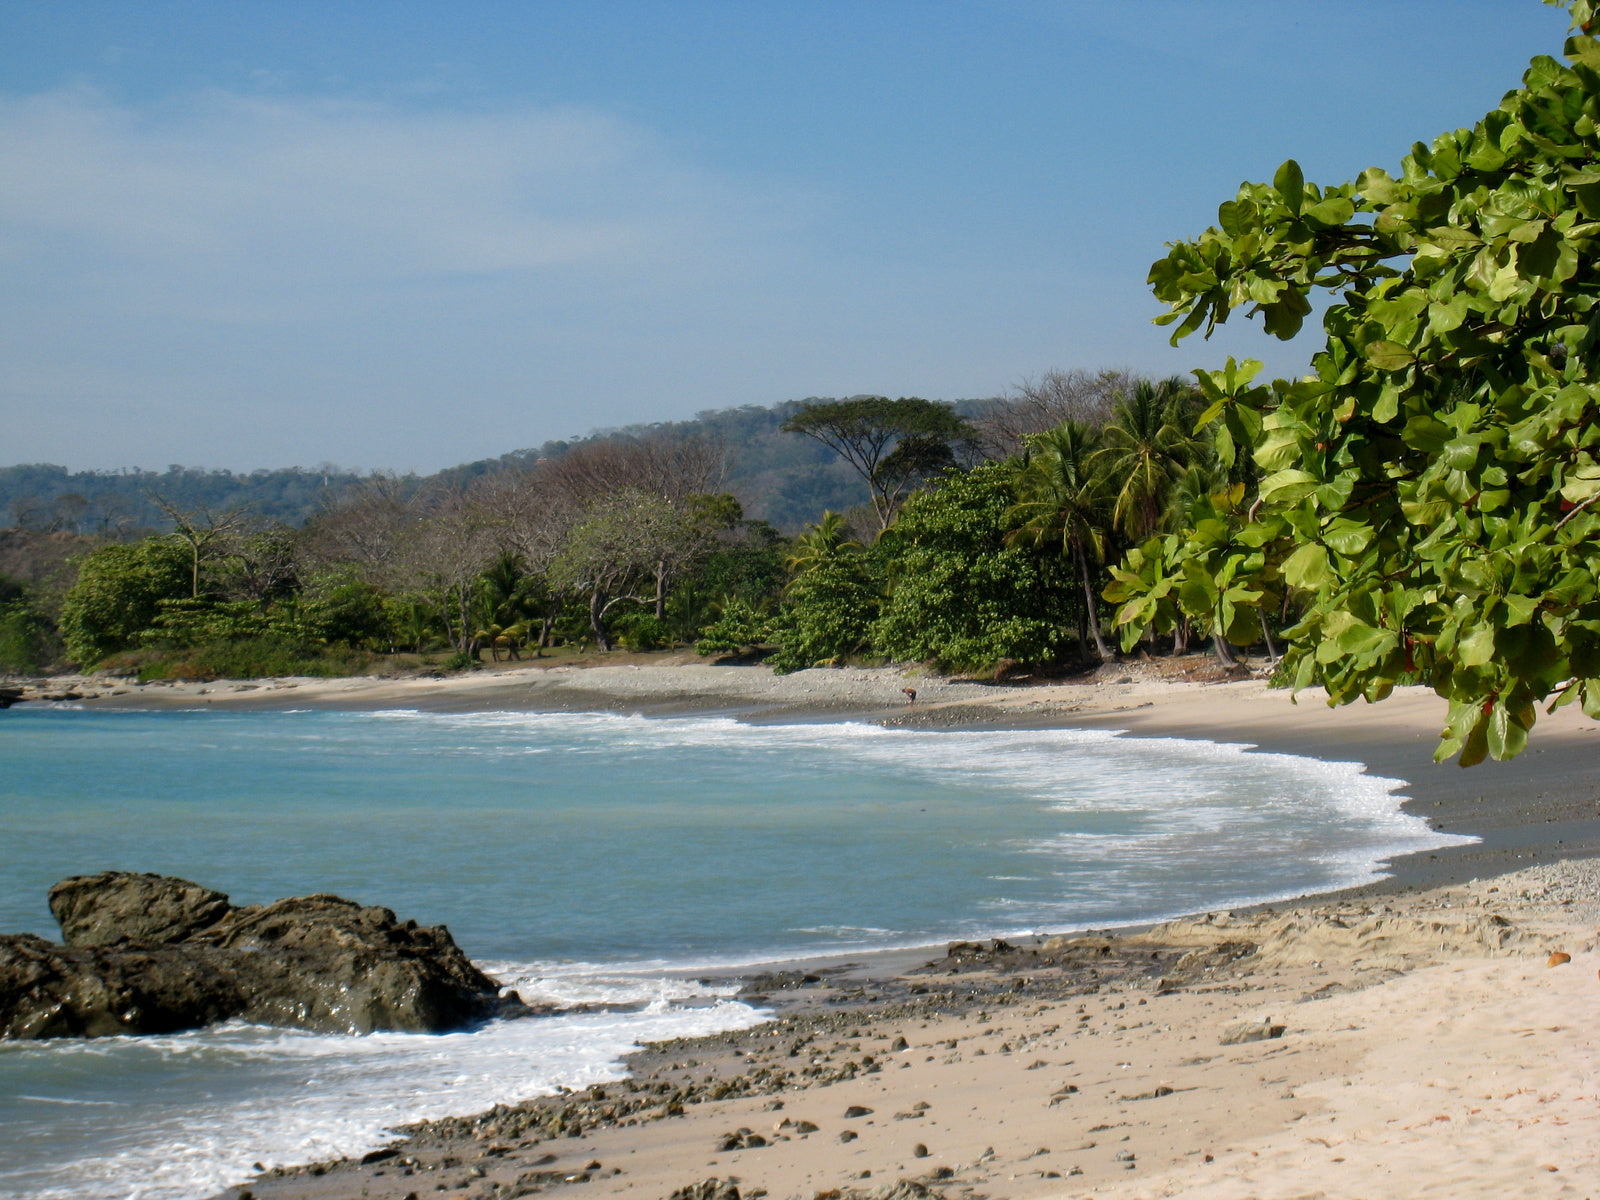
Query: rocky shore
point(1426, 1035)
point(1442, 1036)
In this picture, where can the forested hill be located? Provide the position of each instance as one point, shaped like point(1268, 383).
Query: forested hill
point(118, 503)
point(779, 477)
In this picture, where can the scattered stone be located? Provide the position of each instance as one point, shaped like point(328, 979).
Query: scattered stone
point(1250, 1031)
point(741, 1139)
point(848, 1135)
point(856, 1110)
point(1198, 964)
point(707, 1189)
point(919, 1151)
point(1153, 1094)
point(1557, 958)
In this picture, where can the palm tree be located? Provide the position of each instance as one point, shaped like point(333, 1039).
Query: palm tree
point(820, 542)
point(1061, 502)
point(507, 599)
point(1146, 448)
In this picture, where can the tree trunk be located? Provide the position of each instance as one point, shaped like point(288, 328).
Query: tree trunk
point(464, 611)
point(1089, 603)
point(1180, 637)
point(1266, 634)
point(1224, 651)
point(661, 589)
point(597, 620)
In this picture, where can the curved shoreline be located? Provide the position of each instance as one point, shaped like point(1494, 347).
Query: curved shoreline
point(1540, 808)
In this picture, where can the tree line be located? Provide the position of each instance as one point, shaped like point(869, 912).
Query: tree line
point(978, 541)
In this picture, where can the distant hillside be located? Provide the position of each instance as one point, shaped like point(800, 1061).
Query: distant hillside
point(779, 477)
point(113, 503)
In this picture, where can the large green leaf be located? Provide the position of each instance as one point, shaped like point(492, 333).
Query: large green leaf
point(1307, 567)
point(1291, 185)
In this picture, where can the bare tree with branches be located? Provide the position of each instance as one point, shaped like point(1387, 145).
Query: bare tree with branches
point(1037, 405)
point(667, 465)
point(201, 530)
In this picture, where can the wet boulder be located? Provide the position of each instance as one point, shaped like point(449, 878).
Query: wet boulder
point(120, 906)
point(150, 954)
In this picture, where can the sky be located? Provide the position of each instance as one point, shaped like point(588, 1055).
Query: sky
point(407, 235)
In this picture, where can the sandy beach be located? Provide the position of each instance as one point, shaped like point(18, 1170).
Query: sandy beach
point(1407, 1038)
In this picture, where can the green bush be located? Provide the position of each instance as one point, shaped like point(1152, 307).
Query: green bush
point(249, 658)
point(738, 629)
point(826, 616)
point(189, 622)
point(117, 596)
point(641, 631)
point(961, 597)
point(28, 641)
point(349, 614)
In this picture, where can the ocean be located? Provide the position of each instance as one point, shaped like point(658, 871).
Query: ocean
point(592, 857)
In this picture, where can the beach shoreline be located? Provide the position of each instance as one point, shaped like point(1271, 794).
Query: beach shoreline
point(1535, 812)
point(1543, 805)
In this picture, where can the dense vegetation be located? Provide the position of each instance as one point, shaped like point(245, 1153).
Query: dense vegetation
point(947, 551)
point(1427, 491)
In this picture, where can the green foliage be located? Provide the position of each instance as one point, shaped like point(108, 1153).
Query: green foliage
point(356, 615)
point(189, 622)
point(738, 630)
point(1220, 573)
point(255, 657)
point(961, 596)
point(641, 631)
point(28, 641)
point(1145, 449)
point(1432, 485)
point(827, 614)
point(117, 595)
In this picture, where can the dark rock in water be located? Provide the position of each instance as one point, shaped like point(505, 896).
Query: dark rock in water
point(49, 991)
point(113, 906)
point(148, 954)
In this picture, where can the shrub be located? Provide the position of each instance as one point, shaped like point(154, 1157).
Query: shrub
point(117, 594)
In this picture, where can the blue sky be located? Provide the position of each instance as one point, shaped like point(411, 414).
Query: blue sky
point(401, 235)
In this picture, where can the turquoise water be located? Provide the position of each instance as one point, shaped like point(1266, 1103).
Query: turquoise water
point(583, 856)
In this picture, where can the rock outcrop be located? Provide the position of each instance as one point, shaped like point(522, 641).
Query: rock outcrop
point(152, 954)
point(118, 906)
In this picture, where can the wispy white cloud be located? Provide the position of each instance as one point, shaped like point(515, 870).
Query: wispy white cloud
point(281, 195)
point(237, 280)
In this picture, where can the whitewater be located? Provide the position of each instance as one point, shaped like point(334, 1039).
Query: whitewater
point(593, 857)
